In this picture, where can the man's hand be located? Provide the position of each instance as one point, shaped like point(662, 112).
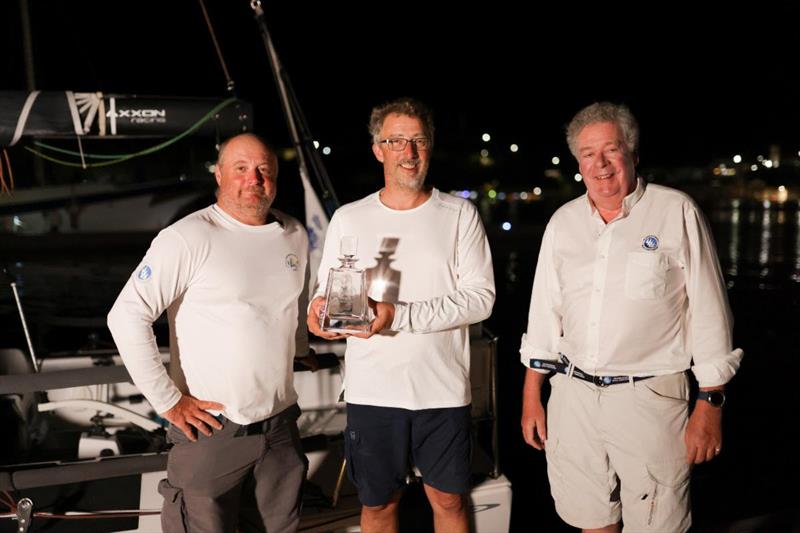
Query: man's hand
point(313, 320)
point(534, 425)
point(384, 316)
point(534, 420)
point(190, 412)
point(703, 433)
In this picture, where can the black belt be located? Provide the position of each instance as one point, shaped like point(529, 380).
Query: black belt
point(264, 426)
point(256, 428)
point(600, 381)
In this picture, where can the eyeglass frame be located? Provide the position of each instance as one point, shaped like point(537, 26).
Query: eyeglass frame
point(392, 142)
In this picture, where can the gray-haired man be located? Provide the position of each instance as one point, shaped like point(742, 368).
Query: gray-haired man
point(627, 296)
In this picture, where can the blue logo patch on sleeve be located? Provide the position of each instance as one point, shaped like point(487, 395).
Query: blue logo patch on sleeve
point(292, 261)
point(144, 273)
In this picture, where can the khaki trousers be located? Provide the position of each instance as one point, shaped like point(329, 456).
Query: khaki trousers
point(618, 453)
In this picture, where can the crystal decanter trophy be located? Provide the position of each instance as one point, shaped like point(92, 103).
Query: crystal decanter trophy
point(346, 309)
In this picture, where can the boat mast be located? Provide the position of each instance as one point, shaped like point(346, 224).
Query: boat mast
point(318, 213)
point(30, 73)
point(307, 154)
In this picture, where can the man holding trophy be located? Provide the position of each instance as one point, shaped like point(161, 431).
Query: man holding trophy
point(420, 260)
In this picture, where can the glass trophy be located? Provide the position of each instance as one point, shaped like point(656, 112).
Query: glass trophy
point(346, 309)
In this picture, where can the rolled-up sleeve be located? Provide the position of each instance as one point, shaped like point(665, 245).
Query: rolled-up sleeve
point(544, 331)
point(710, 319)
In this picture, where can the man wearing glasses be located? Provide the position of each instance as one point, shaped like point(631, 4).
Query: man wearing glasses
point(407, 382)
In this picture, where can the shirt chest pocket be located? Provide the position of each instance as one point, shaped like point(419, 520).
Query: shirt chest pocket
point(645, 275)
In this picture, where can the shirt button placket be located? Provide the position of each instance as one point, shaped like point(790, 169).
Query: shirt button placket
point(596, 299)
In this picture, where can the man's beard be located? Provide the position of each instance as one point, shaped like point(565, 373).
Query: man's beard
point(415, 183)
point(259, 207)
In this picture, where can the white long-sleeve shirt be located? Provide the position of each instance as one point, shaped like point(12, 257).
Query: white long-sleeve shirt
point(440, 279)
point(236, 307)
point(641, 295)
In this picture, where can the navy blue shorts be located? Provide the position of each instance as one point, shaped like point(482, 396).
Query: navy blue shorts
point(382, 443)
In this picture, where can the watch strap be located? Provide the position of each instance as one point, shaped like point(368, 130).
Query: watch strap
point(714, 397)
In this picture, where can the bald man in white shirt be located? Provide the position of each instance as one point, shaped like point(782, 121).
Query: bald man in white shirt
point(233, 280)
point(627, 296)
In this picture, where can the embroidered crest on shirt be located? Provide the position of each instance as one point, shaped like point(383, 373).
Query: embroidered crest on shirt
point(144, 273)
point(650, 243)
point(292, 261)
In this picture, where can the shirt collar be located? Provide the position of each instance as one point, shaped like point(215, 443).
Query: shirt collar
point(628, 202)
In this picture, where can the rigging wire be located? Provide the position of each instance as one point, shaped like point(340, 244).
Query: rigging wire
point(230, 83)
point(106, 157)
point(298, 128)
point(86, 515)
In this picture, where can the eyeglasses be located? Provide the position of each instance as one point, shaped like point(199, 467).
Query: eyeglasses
point(399, 144)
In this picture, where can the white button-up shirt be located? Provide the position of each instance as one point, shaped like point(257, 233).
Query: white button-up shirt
point(641, 295)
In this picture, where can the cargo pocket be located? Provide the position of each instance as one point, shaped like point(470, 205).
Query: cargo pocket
point(665, 502)
point(173, 513)
point(645, 275)
point(555, 474)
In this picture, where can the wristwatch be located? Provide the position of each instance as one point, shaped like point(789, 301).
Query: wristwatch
point(714, 397)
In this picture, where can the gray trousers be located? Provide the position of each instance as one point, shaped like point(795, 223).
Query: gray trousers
point(235, 481)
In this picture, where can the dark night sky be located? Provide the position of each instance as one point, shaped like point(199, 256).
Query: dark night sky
point(703, 85)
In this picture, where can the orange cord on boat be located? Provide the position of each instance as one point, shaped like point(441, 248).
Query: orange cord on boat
point(4, 187)
point(6, 498)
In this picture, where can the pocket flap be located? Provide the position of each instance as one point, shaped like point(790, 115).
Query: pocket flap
point(670, 473)
point(170, 493)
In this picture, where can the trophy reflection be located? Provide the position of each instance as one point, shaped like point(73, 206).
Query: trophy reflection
point(383, 281)
point(346, 309)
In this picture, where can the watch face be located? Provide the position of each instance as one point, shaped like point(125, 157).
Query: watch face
point(716, 398)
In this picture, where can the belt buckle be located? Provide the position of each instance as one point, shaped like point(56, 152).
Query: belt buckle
point(601, 381)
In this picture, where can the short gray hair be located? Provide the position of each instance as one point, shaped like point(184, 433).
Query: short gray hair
point(402, 106)
point(604, 112)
